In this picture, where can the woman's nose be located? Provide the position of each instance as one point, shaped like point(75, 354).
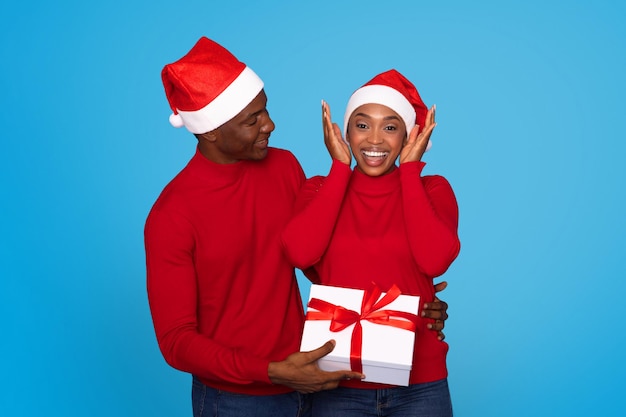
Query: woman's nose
point(375, 138)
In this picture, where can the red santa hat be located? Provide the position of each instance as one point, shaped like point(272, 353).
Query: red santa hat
point(208, 87)
point(395, 91)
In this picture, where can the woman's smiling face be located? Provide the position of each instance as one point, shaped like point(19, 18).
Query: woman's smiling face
point(376, 135)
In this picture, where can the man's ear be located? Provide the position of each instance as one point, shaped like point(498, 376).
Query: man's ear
point(208, 136)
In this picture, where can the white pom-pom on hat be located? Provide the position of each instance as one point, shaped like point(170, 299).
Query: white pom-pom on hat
point(176, 120)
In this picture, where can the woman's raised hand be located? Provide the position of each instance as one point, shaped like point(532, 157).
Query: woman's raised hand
point(415, 146)
point(337, 147)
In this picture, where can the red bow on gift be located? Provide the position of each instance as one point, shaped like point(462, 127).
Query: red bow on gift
point(341, 317)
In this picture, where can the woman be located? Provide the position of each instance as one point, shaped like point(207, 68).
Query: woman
point(383, 223)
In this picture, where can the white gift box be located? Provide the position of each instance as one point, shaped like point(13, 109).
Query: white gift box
point(387, 351)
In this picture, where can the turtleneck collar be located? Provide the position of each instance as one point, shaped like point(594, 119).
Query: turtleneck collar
point(204, 167)
point(384, 184)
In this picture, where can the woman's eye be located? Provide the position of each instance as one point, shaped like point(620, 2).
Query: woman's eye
point(361, 125)
point(390, 128)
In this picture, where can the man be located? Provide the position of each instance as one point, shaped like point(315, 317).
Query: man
point(224, 301)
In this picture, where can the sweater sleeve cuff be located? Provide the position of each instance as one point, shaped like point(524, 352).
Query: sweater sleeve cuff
point(258, 370)
point(411, 168)
point(339, 168)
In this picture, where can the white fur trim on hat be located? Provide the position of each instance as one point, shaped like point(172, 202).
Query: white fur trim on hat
point(225, 106)
point(381, 94)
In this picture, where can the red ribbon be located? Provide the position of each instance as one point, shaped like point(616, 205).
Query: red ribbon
point(341, 317)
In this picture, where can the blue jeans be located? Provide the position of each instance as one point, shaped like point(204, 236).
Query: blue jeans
point(431, 399)
point(210, 402)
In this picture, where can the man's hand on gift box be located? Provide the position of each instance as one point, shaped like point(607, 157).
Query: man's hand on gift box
point(438, 311)
point(300, 371)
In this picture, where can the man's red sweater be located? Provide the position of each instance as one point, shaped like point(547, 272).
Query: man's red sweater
point(224, 300)
point(398, 228)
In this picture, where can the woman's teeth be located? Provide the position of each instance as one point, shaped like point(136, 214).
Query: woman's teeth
point(371, 154)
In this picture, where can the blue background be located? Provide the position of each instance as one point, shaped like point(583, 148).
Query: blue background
point(530, 111)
